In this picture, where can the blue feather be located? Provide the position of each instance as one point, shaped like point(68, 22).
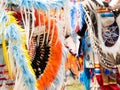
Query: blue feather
point(3, 20)
point(84, 76)
point(22, 63)
point(26, 3)
point(81, 15)
point(56, 4)
point(40, 5)
point(86, 43)
point(73, 16)
point(13, 35)
point(21, 3)
point(3, 17)
point(13, 1)
point(77, 7)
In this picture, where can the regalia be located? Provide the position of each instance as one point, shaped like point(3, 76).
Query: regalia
point(101, 42)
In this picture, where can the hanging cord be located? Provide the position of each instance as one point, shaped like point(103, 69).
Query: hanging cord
point(55, 18)
point(44, 30)
point(27, 27)
point(23, 20)
point(26, 23)
point(39, 25)
point(33, 24)
point(49, 24)
point(53, 28)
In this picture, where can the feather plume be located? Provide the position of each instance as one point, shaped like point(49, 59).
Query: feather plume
point(19, 54)
point(82, 15)
point(56, 4)
point(5, 54)
point(20, 59)
point(55, 56)
point(40, 4)
point(58, 82)
point(84, 76)
point(73, 16)
point(29, 4)
point(67, 21)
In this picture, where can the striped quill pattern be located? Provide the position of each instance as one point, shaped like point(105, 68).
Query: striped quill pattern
point(41, 56)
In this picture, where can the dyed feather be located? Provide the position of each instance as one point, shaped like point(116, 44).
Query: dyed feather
point(20, 59)
point(26, 3)
point(28, 77)
point(73, 16)
point(3, 19)
point(12, 34)
point(58, 82)
point(16, 37)
point(5, 54)
point(55, 56)
point(81, 15)
point(12, 1)
point(40, 4)
point(56, 4)
point(84, 76)
point(29, 4)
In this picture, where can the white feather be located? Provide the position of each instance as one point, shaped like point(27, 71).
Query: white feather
point(19, 82)
point(33, 24)
point(113, 3)
point(68, 28)
point(12, 61)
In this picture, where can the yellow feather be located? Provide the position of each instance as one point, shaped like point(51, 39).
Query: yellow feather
point(23, 41)
point(6, 59)
point(11, 20)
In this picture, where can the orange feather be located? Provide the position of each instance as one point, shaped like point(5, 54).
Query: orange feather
point(55, 58)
